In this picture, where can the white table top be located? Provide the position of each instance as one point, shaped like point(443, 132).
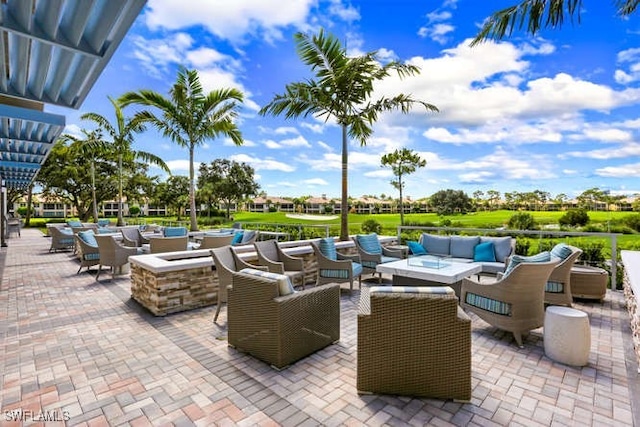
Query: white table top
point(453, 272)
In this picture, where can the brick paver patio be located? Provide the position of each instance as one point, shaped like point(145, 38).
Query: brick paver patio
point(77, 349)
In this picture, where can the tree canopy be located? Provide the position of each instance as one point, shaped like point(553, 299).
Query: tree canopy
point(402, 162)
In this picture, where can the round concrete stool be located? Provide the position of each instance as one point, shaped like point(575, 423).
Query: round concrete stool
point(567, 335)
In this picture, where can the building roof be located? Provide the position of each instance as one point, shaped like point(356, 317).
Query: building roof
point(51, 52)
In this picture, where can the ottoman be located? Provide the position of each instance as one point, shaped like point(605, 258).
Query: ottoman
point(588, 282)
point(567, 335)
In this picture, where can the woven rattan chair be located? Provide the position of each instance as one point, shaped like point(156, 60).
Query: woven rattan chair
point(334, 267)
point(271, 255)
point(61, 238)
point(558, 289)
point(513, 302)
point(168, 244)
point(278, 329)
point(210, 241)
point(226, 262)
point(373, 253)
point(112, 254)
point(87, 250)
point(413, 341)
point(131, 236)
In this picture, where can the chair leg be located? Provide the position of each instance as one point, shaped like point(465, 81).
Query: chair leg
point(99, 271)
point(518, 338)
point(215, 317)
point(78, 272)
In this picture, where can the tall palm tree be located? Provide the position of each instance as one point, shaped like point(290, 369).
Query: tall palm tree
point(92, 146)
point(402, 162)
point(342, 89)
point(121, 133)
point(189, 117)
point(535, 14)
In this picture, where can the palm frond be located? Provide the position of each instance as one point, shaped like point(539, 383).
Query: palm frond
point(626, 7)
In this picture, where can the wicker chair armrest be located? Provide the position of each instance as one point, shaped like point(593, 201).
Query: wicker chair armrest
point(397, 253)
point(128, 242)
point(491, 290)
point(290, 262)
point(272, 266)
point(309, 293)
point(244, 264)
point(368, 256)
point(331, 264)
point(354, 258)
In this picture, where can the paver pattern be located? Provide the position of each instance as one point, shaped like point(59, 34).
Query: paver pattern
point(85, 352)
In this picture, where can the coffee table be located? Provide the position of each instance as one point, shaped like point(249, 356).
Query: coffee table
point(429, 270)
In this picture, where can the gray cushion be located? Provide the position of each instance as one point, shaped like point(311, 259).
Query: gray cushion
point(501, 246)
point(462, 246)
point(435, 244)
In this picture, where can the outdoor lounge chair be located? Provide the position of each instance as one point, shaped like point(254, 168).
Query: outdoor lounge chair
point(87, 249)
point(514, 302)
point(373, 253)
point(131, 236)
point(271, 255)
point(226, 262)
point(61, 238)
point(211, 241)
point(334, 267)
point(270, 321)
point(413, 341)
point(112, 254)
point(168, 244)
point(558, 289)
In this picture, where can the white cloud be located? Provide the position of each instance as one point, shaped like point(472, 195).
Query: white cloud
point(437, 32)
point(325, 146)
point(313, 127)
point(476, 177)
point(382, 173)
point(315, 182)
point(177, 166)
point(262, 164)
point(623, 171)
point(74, 130)
point(347, 13)
point(627, 150)
point(156, 55)
point(298, 141)
point(228, 142)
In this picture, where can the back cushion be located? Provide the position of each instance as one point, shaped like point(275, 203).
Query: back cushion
point(517, 259)
point(562, 251)
point(247, 236)
point(73, 223)
point(88, 237)
point(369, 243)
point(175, 231)
point(416, 248)
point(328, 248)
point(284, 284)
point(435, 244)
point(462, 246)
point(484, 252)
point(501, 246)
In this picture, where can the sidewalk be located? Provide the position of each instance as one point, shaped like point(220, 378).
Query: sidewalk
point(77, 349)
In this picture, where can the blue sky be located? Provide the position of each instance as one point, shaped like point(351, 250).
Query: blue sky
point(558, 112)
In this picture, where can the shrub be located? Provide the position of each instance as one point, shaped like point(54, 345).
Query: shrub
point(522, 246)
point(371, 226)
point(522, 221)
point(134, 210)
point(632, 221)
point(574, 218)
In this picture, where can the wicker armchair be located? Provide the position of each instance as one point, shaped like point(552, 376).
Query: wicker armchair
point(334, 267)
point(271, 255)
point(413, 341)
point(131, 236)
point(210, 242)
point(168, 244)
point(87, 249)
point(226, 262)
point(558, 289)
point(373, 253)
point(278, 329)
point(514, 302)
point(61, 238)
point(112, 254)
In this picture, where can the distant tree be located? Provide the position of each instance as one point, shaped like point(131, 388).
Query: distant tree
point(590, 198)
point(189, 117)
point(447, 202)
point(402, 162)
point(560, 199)
point(174, 193)
point(494, 198)
point(537, 14)
point(574, 218)
point(522, 221)
point(341, 90)
point(478, 198)
point(229, 181)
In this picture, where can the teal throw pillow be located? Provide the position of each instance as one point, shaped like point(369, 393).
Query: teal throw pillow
point(484, 252)
point(88, 237)
point(416, 248)
point(237, 238)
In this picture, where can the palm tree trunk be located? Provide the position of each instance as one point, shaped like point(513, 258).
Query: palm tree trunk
point(27, 219)
point(344, 214)
point(192, 191)
point(401, 207)
point(120, 221)
point(93, 191)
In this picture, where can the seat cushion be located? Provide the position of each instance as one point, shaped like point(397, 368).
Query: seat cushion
point(554, 287)
point(517, 259)
point(488, 304)
point(284, 284)
point(88, 237)
point(435, 244)
point(484, 252)
point(434, 290)
point(328, 248)
point(415, 248)
point(463, 246)
point(369, 243)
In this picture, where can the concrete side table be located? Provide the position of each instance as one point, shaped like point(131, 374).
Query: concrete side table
point(567, 335)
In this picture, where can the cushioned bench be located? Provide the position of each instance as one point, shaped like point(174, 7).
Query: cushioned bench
point(491, 252)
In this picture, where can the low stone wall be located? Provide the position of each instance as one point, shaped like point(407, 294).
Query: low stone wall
point(179, 281)
point(631, 286)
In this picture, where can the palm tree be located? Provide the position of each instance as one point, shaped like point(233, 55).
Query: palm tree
point(189, 117)
point(536, 14)
point(121, 133)
point(402, 162)
point(92, 146)
point(342, 90)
